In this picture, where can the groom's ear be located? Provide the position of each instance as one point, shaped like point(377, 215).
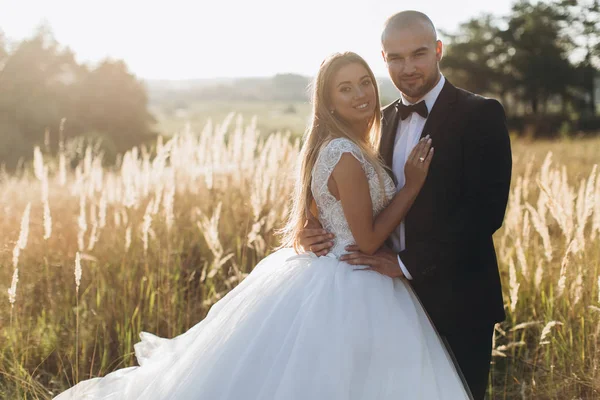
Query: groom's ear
point(439, 50)
point(383, 56)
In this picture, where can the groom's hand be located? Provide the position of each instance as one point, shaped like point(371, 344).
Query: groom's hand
point(384, 261)
point(314, 238)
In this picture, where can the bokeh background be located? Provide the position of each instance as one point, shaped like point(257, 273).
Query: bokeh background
point(147, 154)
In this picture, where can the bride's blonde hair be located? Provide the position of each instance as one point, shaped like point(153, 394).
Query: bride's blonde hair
point(324, 127)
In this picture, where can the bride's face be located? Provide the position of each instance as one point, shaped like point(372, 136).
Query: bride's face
point(352, 94)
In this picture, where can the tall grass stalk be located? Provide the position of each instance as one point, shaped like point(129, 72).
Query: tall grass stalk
point(175, 226)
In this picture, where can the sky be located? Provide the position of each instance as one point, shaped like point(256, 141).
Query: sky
point(196, 39)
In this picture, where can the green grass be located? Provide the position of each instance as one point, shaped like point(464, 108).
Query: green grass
point(271, 116)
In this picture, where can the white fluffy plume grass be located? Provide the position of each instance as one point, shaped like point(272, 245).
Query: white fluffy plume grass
point(176, 225)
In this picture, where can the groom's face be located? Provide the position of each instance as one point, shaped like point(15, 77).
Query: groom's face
point(412, 55)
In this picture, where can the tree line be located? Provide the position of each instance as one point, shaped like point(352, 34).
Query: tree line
point(48, 99)
point(542, 61)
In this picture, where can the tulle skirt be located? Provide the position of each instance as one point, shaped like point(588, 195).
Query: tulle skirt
point(299, 327)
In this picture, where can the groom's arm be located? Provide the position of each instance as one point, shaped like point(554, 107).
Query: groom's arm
point(487, 165)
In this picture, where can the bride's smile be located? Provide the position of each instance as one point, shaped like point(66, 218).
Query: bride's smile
point(353, 96)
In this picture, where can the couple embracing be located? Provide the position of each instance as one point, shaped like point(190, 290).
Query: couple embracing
point(387, 285)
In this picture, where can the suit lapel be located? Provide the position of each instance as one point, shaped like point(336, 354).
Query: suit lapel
point(434, 126)
point(437, 116)
point(389, 127)
point(440, 111)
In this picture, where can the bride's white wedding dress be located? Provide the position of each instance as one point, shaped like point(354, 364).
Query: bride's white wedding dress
point(299, 327)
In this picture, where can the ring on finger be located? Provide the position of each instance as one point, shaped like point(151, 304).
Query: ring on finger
point(422, 159)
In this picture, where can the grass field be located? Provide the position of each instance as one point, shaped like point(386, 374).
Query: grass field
point(271, 115)
point(101, 254)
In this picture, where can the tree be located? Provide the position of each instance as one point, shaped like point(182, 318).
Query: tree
point(41, 83)
point(581, 21)
point(34, 85)
point(476, 57)
point(286, 87)
point(113, 103)
point(3, 51)
point(538, 53)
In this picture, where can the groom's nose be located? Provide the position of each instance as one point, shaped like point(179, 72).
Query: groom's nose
point(409, 67)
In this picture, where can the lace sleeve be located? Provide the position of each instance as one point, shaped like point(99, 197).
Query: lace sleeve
point(331, 211)
point(332, 152)
point(328, 158)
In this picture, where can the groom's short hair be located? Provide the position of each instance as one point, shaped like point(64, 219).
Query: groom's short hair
point(406, 19)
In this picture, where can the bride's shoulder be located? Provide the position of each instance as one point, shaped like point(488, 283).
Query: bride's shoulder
point(335, 147)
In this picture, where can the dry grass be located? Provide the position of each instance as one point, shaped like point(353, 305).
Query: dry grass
point(92, 257)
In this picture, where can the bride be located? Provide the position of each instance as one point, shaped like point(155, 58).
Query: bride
point(302, 326)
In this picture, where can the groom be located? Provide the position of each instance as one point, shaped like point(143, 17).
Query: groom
point(444, 246)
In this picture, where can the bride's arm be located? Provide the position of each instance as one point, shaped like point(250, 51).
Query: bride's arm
point(353, 191)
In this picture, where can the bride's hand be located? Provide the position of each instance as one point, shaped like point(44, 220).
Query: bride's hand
point(417, 165)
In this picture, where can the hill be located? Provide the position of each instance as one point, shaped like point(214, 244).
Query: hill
point(180, 94)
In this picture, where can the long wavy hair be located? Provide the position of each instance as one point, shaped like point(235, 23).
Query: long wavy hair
point(324, 127)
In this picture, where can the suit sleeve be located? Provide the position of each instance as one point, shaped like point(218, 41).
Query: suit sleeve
point(487, 166)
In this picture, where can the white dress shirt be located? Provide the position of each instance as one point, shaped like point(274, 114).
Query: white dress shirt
point(407, 136)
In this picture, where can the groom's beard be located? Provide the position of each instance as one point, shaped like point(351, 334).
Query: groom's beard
point(417, 91)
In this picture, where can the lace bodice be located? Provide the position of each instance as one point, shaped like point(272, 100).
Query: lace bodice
point(330, 209)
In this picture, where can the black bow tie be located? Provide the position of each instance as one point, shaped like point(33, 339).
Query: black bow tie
point(420, 108)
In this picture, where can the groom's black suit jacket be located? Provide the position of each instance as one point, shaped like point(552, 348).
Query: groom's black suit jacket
point(449, 249)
